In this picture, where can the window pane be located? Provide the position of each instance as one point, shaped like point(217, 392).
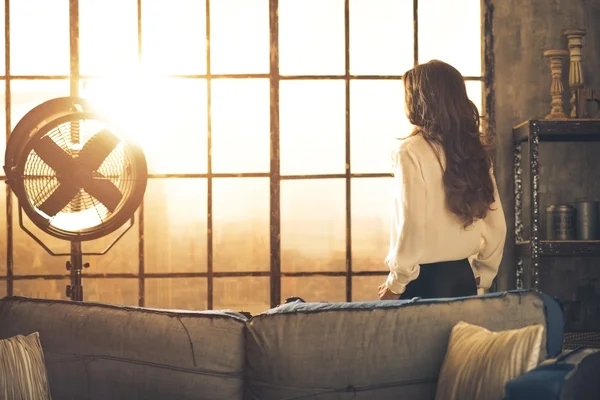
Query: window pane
point(52, 289)
point(371, 216)
point(311, 37)
point(26, 95)
point(313, 225)
point(166, 116)
point(108, 41)
point(240, 125)
point(176, 293)
point(166, 26)
point(450, 31)
point(249, 294)
point(3, 289)
point(29, 257)
point(39, 37)
point(241, 224)
point(175, 217)
point(314, 288)
point(120, 291)
point(475, 93)
point(313, 132)
point(381, 37)
point(377, 118)
point(364, 288)
point(239, 36)
point(122, 258)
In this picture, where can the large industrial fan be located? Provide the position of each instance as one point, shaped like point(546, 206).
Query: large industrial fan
point(75, 177)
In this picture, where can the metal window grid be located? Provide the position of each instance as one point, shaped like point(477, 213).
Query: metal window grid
point(274, 175)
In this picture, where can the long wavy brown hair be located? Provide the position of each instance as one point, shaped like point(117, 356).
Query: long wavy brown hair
point(438, 106)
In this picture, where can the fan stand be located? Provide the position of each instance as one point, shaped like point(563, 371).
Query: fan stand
point(34, 133)
point(75, 267)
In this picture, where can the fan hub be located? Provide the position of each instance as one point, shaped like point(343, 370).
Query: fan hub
point(79, 175)
point(83, 176)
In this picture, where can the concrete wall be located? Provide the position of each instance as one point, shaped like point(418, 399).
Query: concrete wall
point(523, 30)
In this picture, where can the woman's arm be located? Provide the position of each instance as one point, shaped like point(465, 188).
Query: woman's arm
point(407, 237)
point(486, 262)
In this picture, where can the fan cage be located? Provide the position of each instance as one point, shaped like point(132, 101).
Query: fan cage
point(84, 217)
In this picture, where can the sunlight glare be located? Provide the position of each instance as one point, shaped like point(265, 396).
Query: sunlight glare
point(166, 116)
point(445, 33)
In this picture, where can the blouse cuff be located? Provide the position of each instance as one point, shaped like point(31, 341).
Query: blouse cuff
point(394, 286)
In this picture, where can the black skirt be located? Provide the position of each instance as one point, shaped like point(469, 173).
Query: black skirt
point(443, 279)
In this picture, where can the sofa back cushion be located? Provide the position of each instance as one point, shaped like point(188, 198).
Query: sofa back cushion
point(384, 350)
point(96, 351)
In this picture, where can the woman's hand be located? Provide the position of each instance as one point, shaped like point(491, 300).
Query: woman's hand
point(386, 294)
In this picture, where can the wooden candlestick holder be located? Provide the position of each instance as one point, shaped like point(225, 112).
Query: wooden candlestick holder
point(556, 90)
point(575, 44)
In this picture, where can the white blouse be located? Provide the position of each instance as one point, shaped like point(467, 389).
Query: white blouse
point(424, 230)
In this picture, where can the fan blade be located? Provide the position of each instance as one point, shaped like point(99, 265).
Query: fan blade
point(59, 199)
point(105, 192)
point(51, 153)
point(96, 149)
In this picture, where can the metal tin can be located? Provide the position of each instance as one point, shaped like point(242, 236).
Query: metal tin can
point(587, 220)
point(560, 222)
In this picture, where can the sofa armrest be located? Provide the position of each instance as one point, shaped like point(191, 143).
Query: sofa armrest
point(571, 376)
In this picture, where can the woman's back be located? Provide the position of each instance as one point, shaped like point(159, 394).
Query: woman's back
point(446, 237)
point(447, 213)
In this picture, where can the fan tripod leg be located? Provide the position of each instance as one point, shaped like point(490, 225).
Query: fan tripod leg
point(75, 266)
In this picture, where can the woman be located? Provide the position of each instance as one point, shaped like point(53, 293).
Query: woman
point(448, 229)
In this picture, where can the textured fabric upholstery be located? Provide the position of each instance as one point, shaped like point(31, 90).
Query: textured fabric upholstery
point(22, 369)
point(574, 375)
point(96, 351)
point(479, 363)
point(384, 350)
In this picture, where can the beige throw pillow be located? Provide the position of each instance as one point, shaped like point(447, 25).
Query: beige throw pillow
point(479, 363)
point(22, 369)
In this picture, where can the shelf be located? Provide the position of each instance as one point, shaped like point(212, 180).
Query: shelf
point(564, 130)
point(562, 248)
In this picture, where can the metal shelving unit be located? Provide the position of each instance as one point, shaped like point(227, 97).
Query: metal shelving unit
point(530, 134)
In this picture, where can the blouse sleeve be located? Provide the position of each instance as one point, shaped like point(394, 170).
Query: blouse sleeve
point(407, 236)
point(487, 261)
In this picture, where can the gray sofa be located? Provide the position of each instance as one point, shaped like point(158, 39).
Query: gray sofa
point(374, 350)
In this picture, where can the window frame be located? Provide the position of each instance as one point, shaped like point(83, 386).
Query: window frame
point(275, 178)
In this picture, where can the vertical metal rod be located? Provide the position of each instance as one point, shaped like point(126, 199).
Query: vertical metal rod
point(275, 179)
point(518, 193)
point(209, 181)
point(75, 289)
point(416, 32)
point(487, 50)
point(75, 267)
point(535, 201)
point(141, 245)
point(348, 154)
point(74, 46)
point(8, 193)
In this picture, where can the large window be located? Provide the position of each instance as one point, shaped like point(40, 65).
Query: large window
point(267, 126)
